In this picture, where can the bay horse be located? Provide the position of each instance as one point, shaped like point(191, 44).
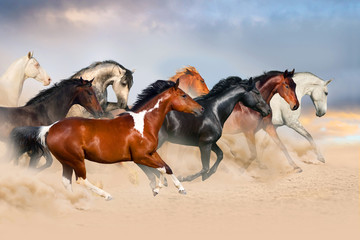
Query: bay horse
point(105, 73)
point(132, 136)
point(12, 81)
point(205, 131)
point(45, 108)
point(191, 81)
point(306, 84)
point(246, 120)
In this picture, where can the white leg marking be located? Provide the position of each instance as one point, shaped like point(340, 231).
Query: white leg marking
point(95, 189)
point(178, 184)
point(67, 183)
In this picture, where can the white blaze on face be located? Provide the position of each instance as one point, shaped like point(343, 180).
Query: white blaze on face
point(140, 117)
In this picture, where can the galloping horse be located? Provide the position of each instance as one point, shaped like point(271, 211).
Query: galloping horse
point(132, 136)
point(204, 131)
point(105, 73)
point(48, 106)
point(12, 81)
point(190, 81)
point(306, 84)
point(248, 121)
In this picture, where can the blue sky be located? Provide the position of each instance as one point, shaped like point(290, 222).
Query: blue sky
point(219, 38)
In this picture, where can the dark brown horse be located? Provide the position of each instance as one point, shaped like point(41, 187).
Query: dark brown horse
point(47, 107)
point(247, 121)
point(132, 136)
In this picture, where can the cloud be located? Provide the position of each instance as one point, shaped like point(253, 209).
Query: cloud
point(219, 38)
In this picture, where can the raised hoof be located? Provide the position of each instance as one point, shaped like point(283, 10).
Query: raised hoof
point(155, 193)
point(298, 170)
point(108, 198)
point(182, 191)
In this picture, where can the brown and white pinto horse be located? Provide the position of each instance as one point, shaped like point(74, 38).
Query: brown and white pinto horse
point(190, 81)
point(247, 121)
point(132, 136)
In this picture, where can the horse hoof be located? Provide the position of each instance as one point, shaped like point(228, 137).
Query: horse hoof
point(182, 191)
point(108, 198)
point(321, 159)
point(155, 193)
point(298, 170)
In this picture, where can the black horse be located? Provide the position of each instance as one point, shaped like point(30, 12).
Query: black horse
point(47, 107)
point(204, 131)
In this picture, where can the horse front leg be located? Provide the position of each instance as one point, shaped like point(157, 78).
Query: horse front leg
point(219, 154)
point(205, 150)
point(250, 139)
point(270, 129)
point(298, 127)
point(154, 161)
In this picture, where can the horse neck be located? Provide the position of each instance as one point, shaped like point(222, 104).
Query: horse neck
point(224, 104)
point(305, 83)
point(58, 104)
point(14, 76)
point(155, 113)
point(268, 89)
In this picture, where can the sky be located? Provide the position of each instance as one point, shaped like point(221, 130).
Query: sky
point(219, 38)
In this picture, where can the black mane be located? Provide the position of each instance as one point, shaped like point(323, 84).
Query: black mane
point(222, 85)
point(150, 92)
point(45, 94)
point(128, 73)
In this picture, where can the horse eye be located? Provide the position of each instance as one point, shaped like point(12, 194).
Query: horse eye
point(184, 96)
point(326, 93)
point(123, 84)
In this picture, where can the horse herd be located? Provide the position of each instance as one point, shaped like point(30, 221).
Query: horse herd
point(57, 120)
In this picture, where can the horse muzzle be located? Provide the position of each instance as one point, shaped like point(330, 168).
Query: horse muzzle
point(198, 112)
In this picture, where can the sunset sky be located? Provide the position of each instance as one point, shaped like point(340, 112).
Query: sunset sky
point(219, 38)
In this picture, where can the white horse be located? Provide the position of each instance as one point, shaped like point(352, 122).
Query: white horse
point(11, 83)
point(306, 84)
point(104, 74)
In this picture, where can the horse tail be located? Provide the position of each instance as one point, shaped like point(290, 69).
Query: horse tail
point(42, 132)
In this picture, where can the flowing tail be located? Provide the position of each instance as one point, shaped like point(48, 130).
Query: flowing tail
point(30, 140)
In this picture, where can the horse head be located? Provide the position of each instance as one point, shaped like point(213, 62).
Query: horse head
point(286, 89)
point(86, 97)
point(253, 99)
point(182, 102)
point(122, 81)
point(319, 97)
point(34, 70)
point(191, 81)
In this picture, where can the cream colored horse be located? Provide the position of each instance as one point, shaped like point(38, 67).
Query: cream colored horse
point(12, 81)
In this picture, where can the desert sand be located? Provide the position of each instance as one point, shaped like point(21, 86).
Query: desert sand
point(322, 202)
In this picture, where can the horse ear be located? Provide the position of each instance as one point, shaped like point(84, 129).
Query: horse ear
point(286, 73)
point(30, 55)
point(292, 72)
point(251, 84)
point(91, 81)
point(327, 83)
point(177, 84)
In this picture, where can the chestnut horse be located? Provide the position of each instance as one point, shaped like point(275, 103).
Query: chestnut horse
point(132, 136)
point(247, 121)
point(190, 81)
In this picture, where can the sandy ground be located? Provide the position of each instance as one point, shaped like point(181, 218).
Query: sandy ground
point(322, 202)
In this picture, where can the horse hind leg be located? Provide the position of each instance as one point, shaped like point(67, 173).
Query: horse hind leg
point(219, 153)
point(48, 158)
point(80, 172)
point(67, 177)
